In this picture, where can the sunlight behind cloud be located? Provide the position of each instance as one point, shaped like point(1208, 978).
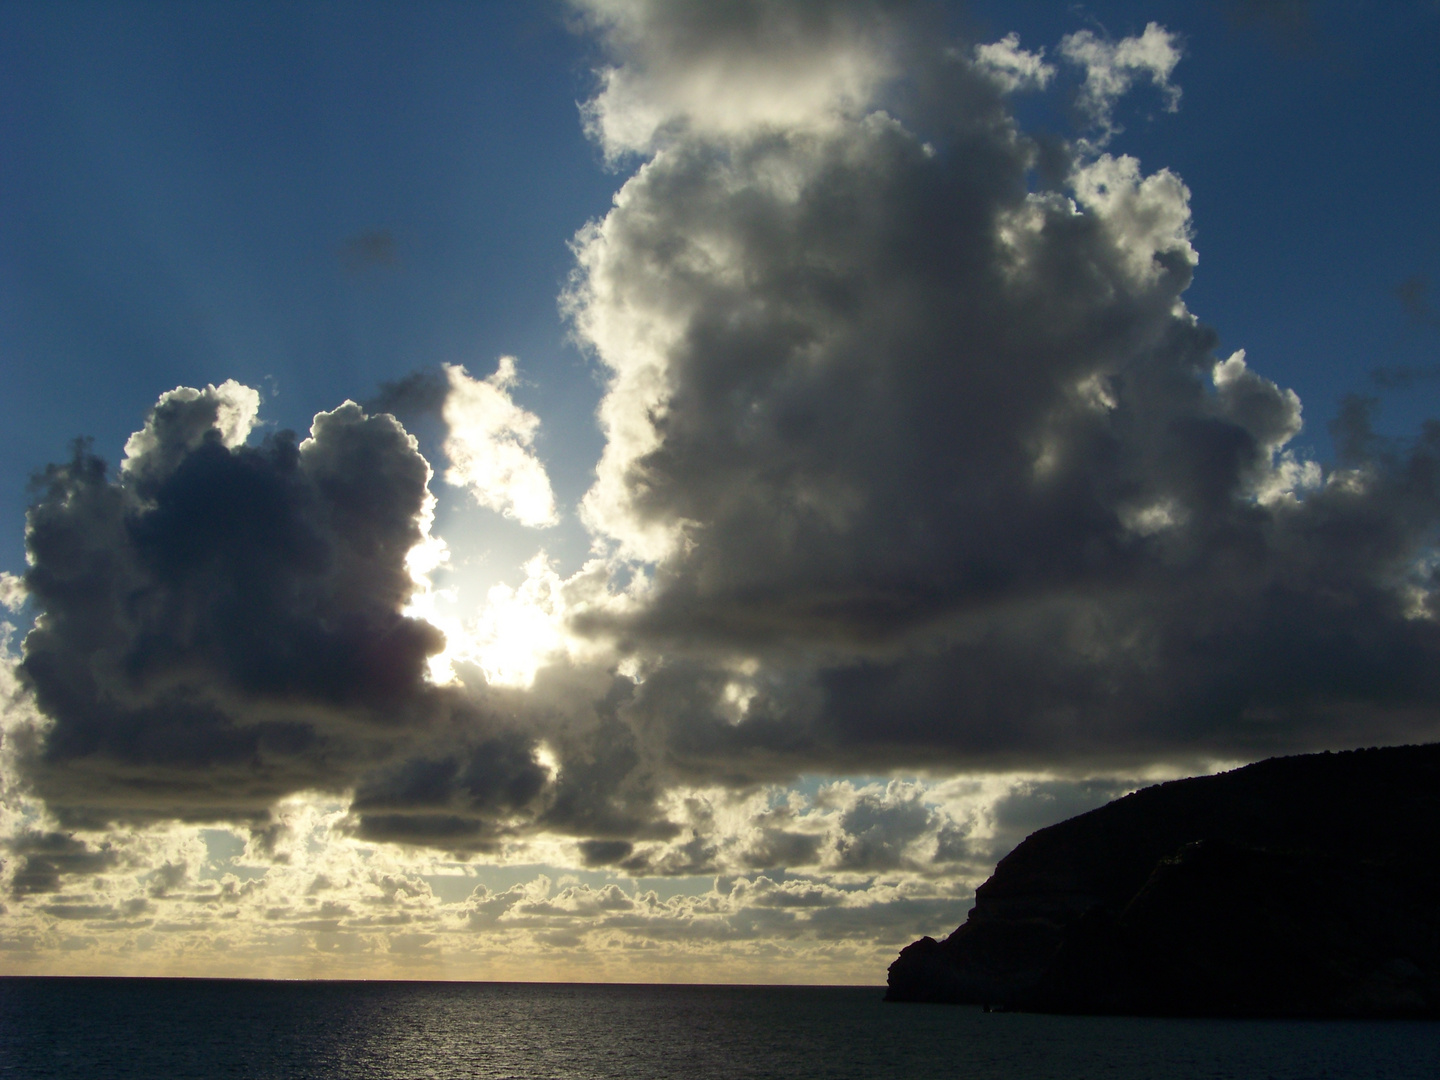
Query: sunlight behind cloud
point(520, 629)
point(421, 562)
point(517, 632)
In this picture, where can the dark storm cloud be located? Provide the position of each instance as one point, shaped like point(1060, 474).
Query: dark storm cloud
point(44, 859)
point(935, 467)
point(604, 852)
point(222, 625)
point(221, 622)
point(456, 801)
point(610, 781)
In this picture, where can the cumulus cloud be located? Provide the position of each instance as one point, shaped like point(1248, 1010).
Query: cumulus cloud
point(183, 419)
point(340, 905)
point(932, 464)
point(218, 616)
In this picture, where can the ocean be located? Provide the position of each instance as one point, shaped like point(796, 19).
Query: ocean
point(165, 1029)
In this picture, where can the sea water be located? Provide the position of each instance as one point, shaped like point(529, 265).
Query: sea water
point(178, 1028)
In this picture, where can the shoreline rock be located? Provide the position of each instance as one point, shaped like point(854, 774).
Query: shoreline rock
point(1301, 886)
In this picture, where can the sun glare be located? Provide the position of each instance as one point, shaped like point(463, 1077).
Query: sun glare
point(517, 632)
point(520, 629)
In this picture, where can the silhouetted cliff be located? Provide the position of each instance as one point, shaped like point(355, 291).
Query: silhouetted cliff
point(1296, 886)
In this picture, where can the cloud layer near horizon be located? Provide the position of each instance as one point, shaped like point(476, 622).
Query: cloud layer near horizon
point(915, 460)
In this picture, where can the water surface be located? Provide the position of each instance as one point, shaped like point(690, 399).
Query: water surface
point(180, 1028)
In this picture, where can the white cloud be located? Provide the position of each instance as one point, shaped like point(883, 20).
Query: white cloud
point(717, 70)
point(1012, 67)
point(1112, 69)
point(12, 591)
point(1148, 217)
point(490, 446)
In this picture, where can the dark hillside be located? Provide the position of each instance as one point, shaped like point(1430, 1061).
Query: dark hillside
point(1296, 886)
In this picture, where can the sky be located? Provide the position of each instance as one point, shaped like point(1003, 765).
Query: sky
point(639, 491)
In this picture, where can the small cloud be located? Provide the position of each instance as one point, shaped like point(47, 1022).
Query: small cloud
point(1289, 22)
point(1113, 68)
point(1412, 294)
point(604, 852)
point(1403, 376)
point(167, 878)
point(13, 593)
point(421, 393)
point(490, 446)
point(374, 248)
point(1012, 67)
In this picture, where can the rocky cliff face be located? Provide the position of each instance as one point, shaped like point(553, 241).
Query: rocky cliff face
point(1303, 886)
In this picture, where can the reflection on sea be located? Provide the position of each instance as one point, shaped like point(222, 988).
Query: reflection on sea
point(261, 1030)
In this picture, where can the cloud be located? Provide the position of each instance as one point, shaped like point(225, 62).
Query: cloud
point(182, 420)
point(225, 624)
point(1404, 376)
point(1290, 22)
point(716, 70)
point(1113, 68)
point(12, 592)
point(45, 858)
point(916, 462)
point(930, 465)
point(1012, 67)
point(419, 394)
point(1412, 294)
point(374, 248)
point(221, 622)
point(460, 801)
point(489, 446)
point(337, 905)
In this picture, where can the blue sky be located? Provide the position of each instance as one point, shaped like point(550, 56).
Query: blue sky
point(877, 406)
point(184, 180)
